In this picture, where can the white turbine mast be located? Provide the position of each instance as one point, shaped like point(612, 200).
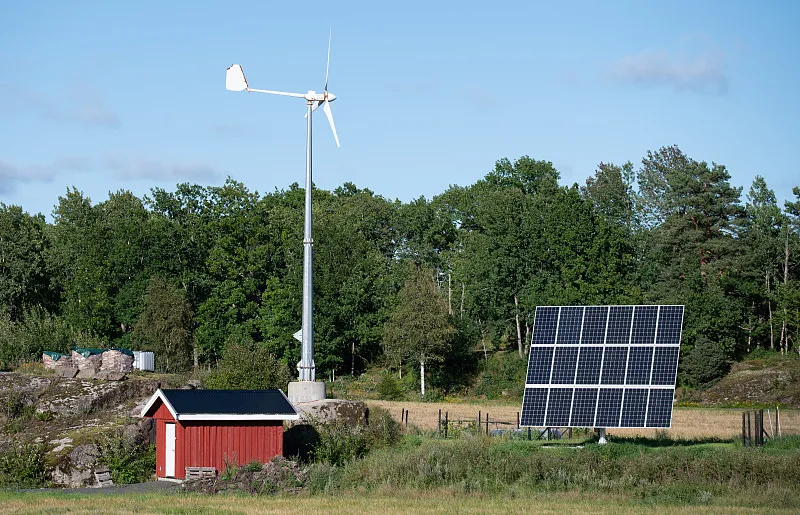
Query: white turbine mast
point(236, 81)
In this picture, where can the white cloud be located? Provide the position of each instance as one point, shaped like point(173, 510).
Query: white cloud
point(138, 167)
point(80, 104)
point(12, 175)
point(698, 70)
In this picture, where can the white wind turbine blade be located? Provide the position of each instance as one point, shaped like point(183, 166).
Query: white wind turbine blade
point(328, 66)
point(327, 108)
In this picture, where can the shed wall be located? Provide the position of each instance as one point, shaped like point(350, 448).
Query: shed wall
point(209, 444)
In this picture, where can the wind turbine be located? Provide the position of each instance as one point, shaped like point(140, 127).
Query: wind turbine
point(236, 81)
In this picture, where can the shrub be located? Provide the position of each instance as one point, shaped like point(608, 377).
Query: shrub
point(389, 388)
point(25, 339)
point(503, 372)
point(340, 443)
point(707, 361)
point(247, 365)
point(23, 467)
point(129, 461)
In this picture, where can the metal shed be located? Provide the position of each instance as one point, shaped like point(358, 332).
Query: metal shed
point(204, 428)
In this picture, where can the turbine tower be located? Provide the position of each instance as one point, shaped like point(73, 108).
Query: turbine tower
point(307, 389)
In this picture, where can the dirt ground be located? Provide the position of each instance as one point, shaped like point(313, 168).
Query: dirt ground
point(687, 423)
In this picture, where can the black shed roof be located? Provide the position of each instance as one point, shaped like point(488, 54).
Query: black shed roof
point(225, 404)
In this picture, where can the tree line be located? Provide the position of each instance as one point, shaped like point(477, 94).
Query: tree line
point(204, 271)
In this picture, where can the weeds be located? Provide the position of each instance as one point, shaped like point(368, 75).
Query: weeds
point(23, 467)
point(129, 461)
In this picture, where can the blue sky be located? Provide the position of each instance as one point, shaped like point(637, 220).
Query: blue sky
point(121, 95)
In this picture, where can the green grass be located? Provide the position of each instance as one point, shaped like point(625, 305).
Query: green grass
point(436, 501)
point(665, 472)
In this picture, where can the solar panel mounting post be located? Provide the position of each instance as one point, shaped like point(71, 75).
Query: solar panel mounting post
point(602, 440)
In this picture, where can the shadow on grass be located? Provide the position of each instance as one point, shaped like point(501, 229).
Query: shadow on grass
point(667, 442)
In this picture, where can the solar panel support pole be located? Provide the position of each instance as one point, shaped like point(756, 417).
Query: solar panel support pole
point(602, 440)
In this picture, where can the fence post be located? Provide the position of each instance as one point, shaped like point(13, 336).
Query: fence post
point(407, 418)
point(744, 434)
point(446, 423)
point(756, 414)
point(479, 421)
point(778, 420)
point(771, 427)
point(439, 426)
point(518, 420)
point(749, 433)
point(487, 422)
point(529, 434)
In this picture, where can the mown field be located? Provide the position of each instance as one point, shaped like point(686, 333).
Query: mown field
point(687, 423)
point(398, 502)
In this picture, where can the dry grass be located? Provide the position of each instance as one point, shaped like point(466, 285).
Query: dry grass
point(398, 502)
point(686, 422)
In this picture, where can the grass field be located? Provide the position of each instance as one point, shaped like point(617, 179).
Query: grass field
point(397, 502)
point(687, 423)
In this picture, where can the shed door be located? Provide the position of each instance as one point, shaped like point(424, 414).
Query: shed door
point(169, 447)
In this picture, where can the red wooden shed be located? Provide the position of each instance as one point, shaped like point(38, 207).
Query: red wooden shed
point(204, 428)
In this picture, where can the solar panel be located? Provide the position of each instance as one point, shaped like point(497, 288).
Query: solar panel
point(602, 366)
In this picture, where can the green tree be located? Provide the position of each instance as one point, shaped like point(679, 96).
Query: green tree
point(247, 365)
point(692, 250)
point(24, 278)
point(762, 256)
point(165, 327)
point(418, 329)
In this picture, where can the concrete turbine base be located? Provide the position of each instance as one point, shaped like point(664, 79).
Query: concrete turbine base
point(306, 391)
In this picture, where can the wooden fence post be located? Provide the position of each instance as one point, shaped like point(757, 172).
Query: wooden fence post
point(749, 433)
point(778, 421)
point(487, 422)
point(439, 426)
point(771, 427)
point(446, 423)
point(744, 433)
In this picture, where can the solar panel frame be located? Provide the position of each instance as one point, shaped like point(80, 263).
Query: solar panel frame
point(613, 354)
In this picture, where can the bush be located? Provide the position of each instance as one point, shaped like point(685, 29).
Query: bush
point(340, 443)
point(247, 365)
point(35, 332)
point(129, 461)
point(707, 361)
point(23, 467)
point(389, 388)
point(502, 372)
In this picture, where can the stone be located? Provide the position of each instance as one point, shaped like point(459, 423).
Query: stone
point(327, 411)
point(68, 372)
point(110, 375)
point(77, 468)
point(85, 373)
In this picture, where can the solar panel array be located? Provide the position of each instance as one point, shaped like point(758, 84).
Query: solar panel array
point(602, 366)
